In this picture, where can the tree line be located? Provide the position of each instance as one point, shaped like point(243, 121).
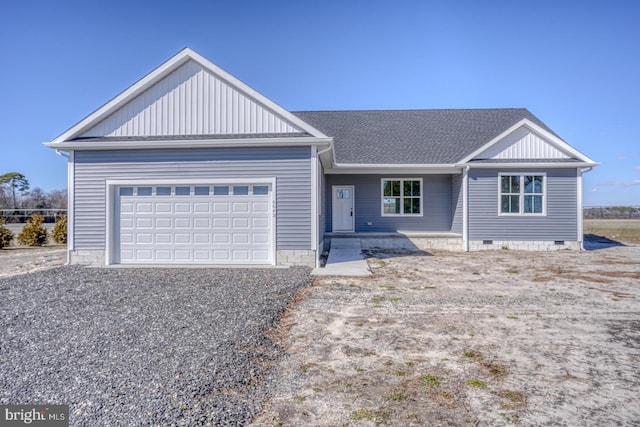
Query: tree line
point(16, 193)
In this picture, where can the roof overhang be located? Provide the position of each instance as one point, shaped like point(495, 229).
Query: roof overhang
point(188, 143)
point(422, 169)
point(529, 165)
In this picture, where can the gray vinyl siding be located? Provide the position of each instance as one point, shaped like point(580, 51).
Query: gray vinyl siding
point(436, 190)
point(457, 204)
point(290, 166)
point(560, 222)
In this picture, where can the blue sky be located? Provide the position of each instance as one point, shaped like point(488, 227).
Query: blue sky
point(574, 64)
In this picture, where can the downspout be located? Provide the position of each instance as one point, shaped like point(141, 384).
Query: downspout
point(70, 216)
point(318, 201)
point(465, 208)
point(580, 212)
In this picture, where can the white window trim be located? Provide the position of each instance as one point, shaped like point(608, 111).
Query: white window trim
point(382, 213)
point(521, 175)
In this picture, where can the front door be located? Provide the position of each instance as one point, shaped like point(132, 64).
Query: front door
point(343, 216)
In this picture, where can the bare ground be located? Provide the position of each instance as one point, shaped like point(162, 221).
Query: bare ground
point(484, 338)
point(21, 259)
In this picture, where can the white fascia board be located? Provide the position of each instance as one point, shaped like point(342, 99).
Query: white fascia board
point(177, 144)
point(163, 70)
point(391, 168)
point(559, 143)
point(530, 165)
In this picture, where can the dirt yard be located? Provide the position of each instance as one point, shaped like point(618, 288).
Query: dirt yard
point(481, 339)
point(20, 259)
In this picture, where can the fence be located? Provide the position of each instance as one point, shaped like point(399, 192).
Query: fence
point(12, 216)
point(611, 212)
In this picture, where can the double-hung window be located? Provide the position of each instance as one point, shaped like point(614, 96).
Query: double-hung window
point(522, 194)
point(402, 196)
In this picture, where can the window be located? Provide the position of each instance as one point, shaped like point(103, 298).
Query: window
point(402, 196)
point(163, 191)
point(522, 194)
point(201, 191)
point(260, 190)
point(183, 191)
point(240, 190)
point(221, 190)
point(144, 191)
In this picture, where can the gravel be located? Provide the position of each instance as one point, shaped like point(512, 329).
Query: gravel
point(168, 347)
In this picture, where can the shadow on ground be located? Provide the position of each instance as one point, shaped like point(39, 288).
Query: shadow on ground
point(593, 242)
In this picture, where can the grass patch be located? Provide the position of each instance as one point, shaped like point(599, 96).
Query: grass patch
point(473, 382)
point(473, 354)
point(512, 317)
point(397, 395)
point(430, 380)
point(363, 414)
point(512, 271)
point(299, 398)
point(377, 299)
point(495, 369)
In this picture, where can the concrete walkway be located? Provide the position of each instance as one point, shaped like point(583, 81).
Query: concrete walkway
point(345, 259)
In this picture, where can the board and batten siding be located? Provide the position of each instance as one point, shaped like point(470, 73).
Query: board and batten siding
point(559, 223)
point(436, 190)
point(191, 101)
point(290, 167)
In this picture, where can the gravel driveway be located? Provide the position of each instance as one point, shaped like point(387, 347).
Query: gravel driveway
point(143, 346)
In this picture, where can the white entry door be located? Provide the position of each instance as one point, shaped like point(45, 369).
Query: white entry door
point(343, 204)
point(191, 224)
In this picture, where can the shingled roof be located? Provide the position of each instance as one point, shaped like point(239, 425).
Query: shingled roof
point(413, 136)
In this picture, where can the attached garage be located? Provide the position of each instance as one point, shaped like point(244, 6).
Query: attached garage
point(202, 223)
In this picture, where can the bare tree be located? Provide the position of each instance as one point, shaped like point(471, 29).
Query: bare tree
point(57, 199)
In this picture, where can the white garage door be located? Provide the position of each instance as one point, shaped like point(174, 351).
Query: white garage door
point(191, 224)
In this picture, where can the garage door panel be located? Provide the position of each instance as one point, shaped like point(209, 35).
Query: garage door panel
point(142, 238)
point(163, 238)
point(146, 207)
point(182, 222)
point(144, 222)
point(240, 207)
point(240, 223)
point(221, 207)
point(202, 207)
point(183, 255)
point(181, 238)
point(259, 238)
point(163, 255)
point(163, 207)
point(182, 207)
point(240, 238)
point(221, 223)
point(163, 223)
point(259, 223)
point(227, 224)
point(202, 223)
point(202, 238)
point(262, 207)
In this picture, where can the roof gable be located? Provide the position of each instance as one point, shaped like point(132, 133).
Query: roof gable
point(523, 144)
point(526, 140)
point(186, 96)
